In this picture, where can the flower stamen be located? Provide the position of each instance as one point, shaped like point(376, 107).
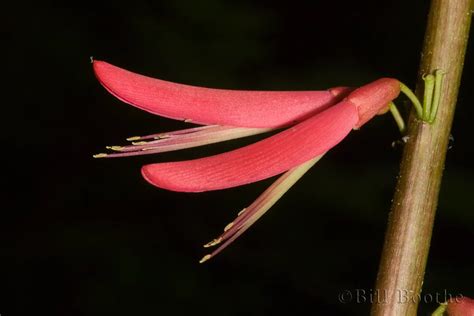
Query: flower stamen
point(248, 216)
point(177, 140)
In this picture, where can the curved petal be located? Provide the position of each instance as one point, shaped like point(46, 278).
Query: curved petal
point(260, 160)
point(264, 109)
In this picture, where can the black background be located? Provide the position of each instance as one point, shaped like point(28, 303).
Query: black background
point(90, 237)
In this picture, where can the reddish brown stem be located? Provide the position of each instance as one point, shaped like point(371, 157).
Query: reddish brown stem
point(410, 225)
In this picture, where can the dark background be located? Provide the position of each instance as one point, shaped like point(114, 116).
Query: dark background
point(90, 237)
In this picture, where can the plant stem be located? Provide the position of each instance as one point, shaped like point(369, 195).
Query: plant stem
point(410, 224)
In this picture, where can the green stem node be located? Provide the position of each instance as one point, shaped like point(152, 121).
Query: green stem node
point(428, 96)
point(439, 74)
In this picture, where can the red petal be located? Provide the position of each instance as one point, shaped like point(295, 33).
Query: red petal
point(260, 160)
point(214, 106)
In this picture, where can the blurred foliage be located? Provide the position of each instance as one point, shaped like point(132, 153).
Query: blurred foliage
point(89, 237)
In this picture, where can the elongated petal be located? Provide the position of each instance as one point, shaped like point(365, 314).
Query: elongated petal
point(261, 205)
point(177, 140)
point(262, 109)
point(260, 160)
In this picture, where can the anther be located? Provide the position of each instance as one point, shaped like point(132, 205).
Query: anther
point(134, 138)
point(205, 258)
point(213, 243)
point(229, 226)
point(101, 155)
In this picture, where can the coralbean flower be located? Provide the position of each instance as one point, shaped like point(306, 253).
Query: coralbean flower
point(314, 122)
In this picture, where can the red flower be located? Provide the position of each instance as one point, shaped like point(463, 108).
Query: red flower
point(316, 121)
